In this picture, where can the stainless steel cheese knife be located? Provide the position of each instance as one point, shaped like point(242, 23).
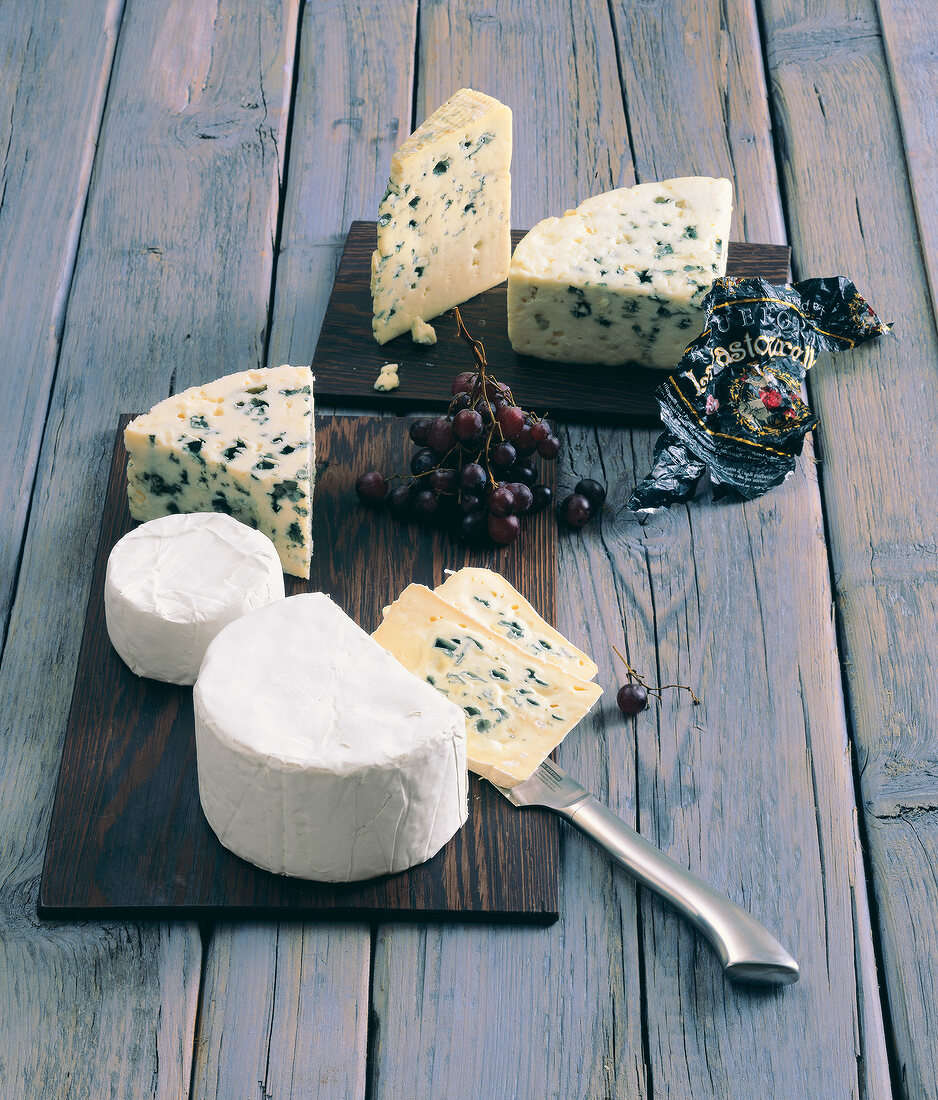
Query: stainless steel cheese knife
point(747, 950)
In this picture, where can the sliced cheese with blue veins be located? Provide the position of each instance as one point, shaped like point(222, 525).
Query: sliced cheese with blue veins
point(489, 598)
point(444, 231)
point(623, 277)
point(242, 445)
point(518, 707)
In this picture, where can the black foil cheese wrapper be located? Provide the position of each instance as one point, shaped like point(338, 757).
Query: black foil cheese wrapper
point(733, 406)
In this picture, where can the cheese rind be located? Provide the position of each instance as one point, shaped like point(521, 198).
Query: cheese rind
point(173, 583)
point(318, 755)
point(489, 598)
point(444, 222)
point(242, 445)
point(622, 277)
point(517, 706)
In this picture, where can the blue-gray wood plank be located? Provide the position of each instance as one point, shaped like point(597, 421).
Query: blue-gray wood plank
point(171, 277)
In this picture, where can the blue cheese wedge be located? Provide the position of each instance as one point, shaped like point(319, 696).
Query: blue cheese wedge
point(242, 445)
point(518, 707)
point(444, 222)
point(489, 598)
point(623, 277)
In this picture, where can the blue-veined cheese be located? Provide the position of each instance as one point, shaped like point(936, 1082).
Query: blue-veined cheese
point(242, 445)
point(622, 278)
point(489, 598)
point(517, 706)
point(444, 222)
point(318, 755)
point(173, 583)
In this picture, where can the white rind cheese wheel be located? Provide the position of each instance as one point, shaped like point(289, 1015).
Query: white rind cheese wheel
point(173, 583)
point(318, 755)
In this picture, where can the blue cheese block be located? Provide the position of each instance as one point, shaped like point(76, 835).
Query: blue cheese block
point(242, 445)
point(444, 222)
point(623, 277)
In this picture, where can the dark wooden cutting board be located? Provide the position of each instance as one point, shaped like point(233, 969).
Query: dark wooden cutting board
point(128, 836)
point(348, 359)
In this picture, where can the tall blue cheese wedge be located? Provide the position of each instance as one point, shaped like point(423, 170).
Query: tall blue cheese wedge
point(518, 706)
point(242, 445)
point(444, 222)
point(623, 277)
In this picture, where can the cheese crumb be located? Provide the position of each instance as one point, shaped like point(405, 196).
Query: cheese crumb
point(421, 332)
point(388, 379)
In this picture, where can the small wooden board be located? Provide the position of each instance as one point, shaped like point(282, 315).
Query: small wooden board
point(348, 359)
point(128, 836)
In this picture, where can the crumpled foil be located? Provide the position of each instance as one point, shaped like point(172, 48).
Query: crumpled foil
point(733, 406)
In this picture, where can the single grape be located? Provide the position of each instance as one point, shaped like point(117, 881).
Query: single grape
point(525, 443)
point(549, 448)
point(440, 436)
point(422, 461)
point(632, 698)
point(472, 527)
point(464, 382)
point(443, 481)
point(503, 455)
point(473, 477)
point(524, 498)
point(510, 420)
point(470, 504)
point(543, 495)
point(426, 505)
point(540, 430)
point(523, 471)
point(419, 430)
point(501, 501)
point(460, 401)
point(504, 529)
point(467, 426)
point(576, 510)
point(371, 487)
point(592, 490)
point(399, 501)
point(485, 410)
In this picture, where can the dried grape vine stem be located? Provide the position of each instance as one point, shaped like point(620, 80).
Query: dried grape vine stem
point(656, 691)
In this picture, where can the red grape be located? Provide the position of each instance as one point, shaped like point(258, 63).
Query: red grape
point(440, 436)
point(501, 501)
point(504, 529)
point(422, 461)
point(503, 455)
point(470, 503)
point(576, 510)
point(371, 487)
point(540, 430)
point(632, 698)
point(592, 490)
point(543, 495)
point(471, 527)
point(460, 401)
point(524, 498)
point(467, 426)
point(419, 430)
point(399, 501)
point(524, 441)
point(549, 448)
point(464, 382)
point(523, 471)
point(510, 420)
point(473, 477)
point(426, 505)
point(443, 481)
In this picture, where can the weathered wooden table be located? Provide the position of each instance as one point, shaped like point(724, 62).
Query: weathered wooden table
point(176, 179)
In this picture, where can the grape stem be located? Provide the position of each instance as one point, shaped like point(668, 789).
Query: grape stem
point(656, 691)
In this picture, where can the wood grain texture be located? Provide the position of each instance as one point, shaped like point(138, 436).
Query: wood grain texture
point(353, 97)
point(832, 93)
point(910, 36)
point(348, 358)
point(46, 155)
point(128, 835)
point(753, 790)
point(558, 1014)
point(162, 288)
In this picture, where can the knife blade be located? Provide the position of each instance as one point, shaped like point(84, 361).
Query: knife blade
point(747, 951)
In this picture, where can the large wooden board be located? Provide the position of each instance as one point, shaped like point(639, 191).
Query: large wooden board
point(348, 358)
point(127, 831)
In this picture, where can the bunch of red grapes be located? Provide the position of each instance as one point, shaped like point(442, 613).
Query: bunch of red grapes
point(475, 470)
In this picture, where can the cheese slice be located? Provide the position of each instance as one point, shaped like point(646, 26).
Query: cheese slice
point(517, 706)
point(242, 445)
point(489, 598)
point(444, 222)
point(173, 583)
point(622, 278)
point(318, 754)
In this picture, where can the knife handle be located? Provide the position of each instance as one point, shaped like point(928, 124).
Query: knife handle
point(746, 949)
